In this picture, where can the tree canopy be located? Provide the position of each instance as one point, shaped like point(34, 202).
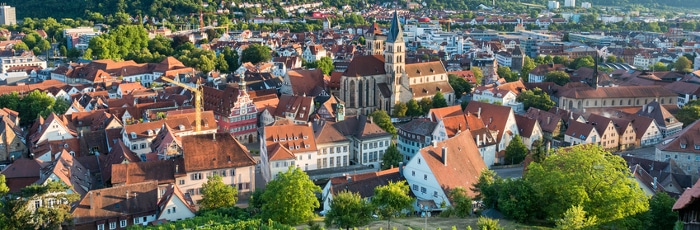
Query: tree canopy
point(559, 77)
point(535, 98)
point(516, 151)
point(688, 114)
point(661, 212)
point(391, 199)
point(683, 64)
point(256, 53)
point(34, 104)
point(528, 65)
point(439, 100)
point(216, 194)
point(348, 210)
point(399, 110)
point(16, 214)
point(413, 108)
point(120, 42)
point(392, 157)
point(326, 65)
point(459, 85)
point(290, 198)
point(382, 119)
point(588, 176)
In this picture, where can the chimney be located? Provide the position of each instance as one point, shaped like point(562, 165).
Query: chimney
point(434, 144)
point(214, 136)
point(644, 108)
point(177, 169)
point(478, 113)
point(444, 156)
point(478, 143)
point(401, 168)
point(549, 120)
point(654, 185)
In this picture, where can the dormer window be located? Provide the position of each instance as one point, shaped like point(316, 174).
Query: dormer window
point(296, 138)
point(150, 132)
point(697, 147)
point(133, 135)
point(306, 146)
point(297, 147)
point(306, 137)
point(684, 145)
point(181, 127)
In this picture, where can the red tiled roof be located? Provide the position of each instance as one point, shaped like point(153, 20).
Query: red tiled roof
point(222, 151)
point(366, 66)
point(463, 166)
point(162, 171)
point(688, 197)
point(117, 202)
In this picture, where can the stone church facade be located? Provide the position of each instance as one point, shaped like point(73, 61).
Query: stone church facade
point(381, 79)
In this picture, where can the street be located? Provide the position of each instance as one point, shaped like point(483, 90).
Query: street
point(514, 172)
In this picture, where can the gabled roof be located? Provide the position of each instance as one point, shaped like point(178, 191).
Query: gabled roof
point(659, 113)
point(163, 171)
point(119, 154)
point(366, 66)
point(600, 123)
point(326, 133)
point(365, 183)
point(425, 68)
point(21, 173)
point(619, 92)
point(494, 117)
point(117, 202)
point(436, 114)
point(462, 166)
point(688, 197)
point(306, 82)
point(687, 140)
point(548, 121)
point(174, 192)
point(361, 127)
point(526, 125)
point(579, 130)
point(222, 151)
point(295, 138)
point(69, 171)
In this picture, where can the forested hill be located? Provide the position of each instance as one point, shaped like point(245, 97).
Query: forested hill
point(166, 8)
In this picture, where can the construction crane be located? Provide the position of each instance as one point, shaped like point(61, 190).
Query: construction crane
point(198, 100)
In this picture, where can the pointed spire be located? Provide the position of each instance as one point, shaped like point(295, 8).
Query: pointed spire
point(395, 32)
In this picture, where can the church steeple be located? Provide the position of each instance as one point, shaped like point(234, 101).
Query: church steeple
point(395, 31)
point(394, 51)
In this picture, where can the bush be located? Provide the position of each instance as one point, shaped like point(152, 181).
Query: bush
point(485, 223)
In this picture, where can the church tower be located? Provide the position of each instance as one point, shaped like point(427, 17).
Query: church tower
point(374, 40)
point(394, 52)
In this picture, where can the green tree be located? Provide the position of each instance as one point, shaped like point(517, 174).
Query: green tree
point(659, 66)
point(528, 65)
point(216, 194)
point(20, 46)
point(486, 188)
point(221, 63)
point(10, 101)
point(60, 106)
point(461, 202)
point(588, 176)
point(661, 212)
point(63, 50)
point(231, 57)
point(611, 59)
point(586, 61)
point(439, 100)
point(539, 153)
point(3, 186)
point(564, 60)
point(558, 77)
point(32, 105)
point(516, 151)
point(44, 45)
point(576, 218)
point(399, 110)
point(682, 64)
point(87, 55)
point(46, 217)
point(391, 199)
point(290, 198)
point(425, 105)
point(459, 85)
point(689, 113)
point(535, 98)
point(256, 53)
point(361, 40)
point(326, 65)
point(504, 72)
point(485, 223)
point(348, 210)
point(413, 108)
point(382, 119)
point(392, 157)
point(478, 75)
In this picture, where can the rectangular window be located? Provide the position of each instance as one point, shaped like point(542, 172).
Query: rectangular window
point(112, 225)
point(182, 182)
point(413, 173)
point(415, 187)
point(425, 177)
point(435, 194)
point(345, 148)
point(345, 160)
point(122, 223)
point(144, 219)
point(318, 163)
point(325, 162)
point(331, 163)
point(100, 227)
point(136, 220)
point(423, 190)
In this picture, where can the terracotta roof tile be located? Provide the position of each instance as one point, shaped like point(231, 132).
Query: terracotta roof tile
point(525, 125)
point(223, 151)
point(113, 203)
point(306, 82)
point(366, 66)
point(463, 166)
point(162, 171)
point(365, 183)
point(436, 114)
point(494, 117)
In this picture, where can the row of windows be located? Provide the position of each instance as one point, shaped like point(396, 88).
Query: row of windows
point(141, 146)
point(333, 150)
point(332, 162)
point(242, 118)
point(423, 190)
point(283, 164)
point(241, 128)
point(373, 156)
point(222, 173)
point(375, 144)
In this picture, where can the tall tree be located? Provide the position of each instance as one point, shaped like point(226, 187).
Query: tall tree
point(689, 113)
point(682, 64)
point(32, 105)
point(221, 63)
point(348, 210)
point(216, 194)
point(506, 73)
point(461, 202)
point(399, 110)
point(382, 119)
point(231, 57)
point(516, 151)
point(290, 198)
point(326, 65)
point(558, 77)
point(539, 153)
point(535, 98)
point(425, 105)
point(10, 101)
point(256, 53)
point(478, 75)
point(661, 212)
point(459, 85)
point(588, 176)
point(392, 157)
point(413, 108)
point(528, 65)
point(439, 100)
point(391, 199)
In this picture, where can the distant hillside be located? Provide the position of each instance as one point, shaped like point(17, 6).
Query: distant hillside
point(164, 8)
